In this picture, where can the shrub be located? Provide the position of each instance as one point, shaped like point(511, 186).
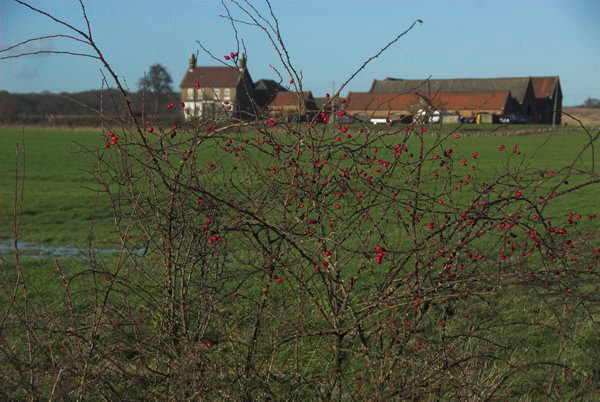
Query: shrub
point(268, 260)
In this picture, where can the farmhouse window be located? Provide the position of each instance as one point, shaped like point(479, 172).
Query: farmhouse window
point(226, 93)
point(217, 93)
point(190, 93)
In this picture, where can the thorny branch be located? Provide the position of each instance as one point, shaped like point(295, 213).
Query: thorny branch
point(311, 260)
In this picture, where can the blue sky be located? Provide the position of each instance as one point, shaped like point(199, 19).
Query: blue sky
point(327, 41)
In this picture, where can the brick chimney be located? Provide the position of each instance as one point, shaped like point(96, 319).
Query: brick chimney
point(242, 63)
point(192, 61)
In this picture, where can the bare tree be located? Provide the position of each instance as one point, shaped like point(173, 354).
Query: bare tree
point(157, 83)
point(591, 102)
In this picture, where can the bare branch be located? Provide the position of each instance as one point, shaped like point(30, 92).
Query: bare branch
point(376, 55)
point(49, 52)
point(44, 37)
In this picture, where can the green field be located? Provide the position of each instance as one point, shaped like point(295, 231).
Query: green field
point(63, 206)
point(60, 206)
point(497, 330)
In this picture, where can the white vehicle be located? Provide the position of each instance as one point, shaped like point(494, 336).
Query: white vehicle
point(379, 120)
point(430, 116)
point(511, 118)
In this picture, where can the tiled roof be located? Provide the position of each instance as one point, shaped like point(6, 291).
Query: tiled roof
point(331, 102)
point(321, 101)
point(363, 101)
point(543, 87)
point(265, 90)
point(287, 99)
point(469, 100)
point(517, 86)
point(269, 85)
point(211, 77)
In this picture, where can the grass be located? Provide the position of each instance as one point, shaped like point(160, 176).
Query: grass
point(62, 207)
point(60, 204)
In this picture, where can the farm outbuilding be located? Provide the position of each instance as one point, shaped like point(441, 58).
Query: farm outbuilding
point(265, 91)
point(365, 105)
point(548, 99)
point(399, 106)
point(538, 99)
point(294, 106)
point(469, 105)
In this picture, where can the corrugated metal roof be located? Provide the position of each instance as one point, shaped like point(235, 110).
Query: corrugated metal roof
point(211, 77)
point(517, 86)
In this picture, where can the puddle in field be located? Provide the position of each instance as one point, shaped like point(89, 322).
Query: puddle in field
point(36, 250)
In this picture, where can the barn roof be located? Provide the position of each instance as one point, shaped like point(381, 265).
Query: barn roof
point(543, 87)
point(330, 101)
point(470, 100)
point(265, 90)
point(211, 77)
point(269, 85)
point(517, 86)
point(321, 101)
point(288, 99)
point(361, 101)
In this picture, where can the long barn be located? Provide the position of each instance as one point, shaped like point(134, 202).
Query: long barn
point(539, 99)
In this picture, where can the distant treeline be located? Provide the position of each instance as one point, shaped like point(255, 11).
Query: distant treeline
point(591, 102)
point(81, 108)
